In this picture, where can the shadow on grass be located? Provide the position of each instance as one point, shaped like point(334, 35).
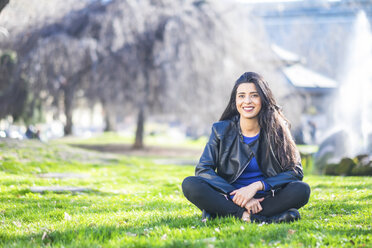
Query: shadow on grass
point(147, 152)
point(367, 197)
point(343, 186)
point(150, 233)
point(328, 207)
point(53, 207)
point(99, 233)
point(87, 191)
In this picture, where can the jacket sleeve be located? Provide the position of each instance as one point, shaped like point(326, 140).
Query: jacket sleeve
point(206, 168)
point(285, 177)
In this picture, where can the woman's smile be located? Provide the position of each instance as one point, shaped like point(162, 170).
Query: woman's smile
point(248, 109)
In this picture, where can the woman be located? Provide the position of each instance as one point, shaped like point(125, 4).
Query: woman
point(250, 167)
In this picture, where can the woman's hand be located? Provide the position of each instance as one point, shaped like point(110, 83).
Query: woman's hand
point(244, 194)
point(253, 206)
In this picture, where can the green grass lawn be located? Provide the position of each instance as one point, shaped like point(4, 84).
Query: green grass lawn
point(135, 203)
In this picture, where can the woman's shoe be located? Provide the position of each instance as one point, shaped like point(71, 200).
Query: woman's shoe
point(290, 215)
point(208, 216)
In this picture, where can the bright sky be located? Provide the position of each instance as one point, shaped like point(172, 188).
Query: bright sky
point(275, 1)
point(267, 1)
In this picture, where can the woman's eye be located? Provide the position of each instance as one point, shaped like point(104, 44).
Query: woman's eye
point(241, 96)
point(254, 95)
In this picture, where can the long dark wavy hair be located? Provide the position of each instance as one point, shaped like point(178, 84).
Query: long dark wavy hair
point(270, 118)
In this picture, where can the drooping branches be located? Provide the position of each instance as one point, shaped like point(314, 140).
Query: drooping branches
point(142, 58)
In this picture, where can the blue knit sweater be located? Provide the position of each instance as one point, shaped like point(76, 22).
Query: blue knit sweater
point(252, 172)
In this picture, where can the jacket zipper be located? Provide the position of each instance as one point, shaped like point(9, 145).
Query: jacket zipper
point(245, 166)
point(271, 150)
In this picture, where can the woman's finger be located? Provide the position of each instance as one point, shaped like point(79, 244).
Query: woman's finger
point(259, 208)
point(244, 202)
point(254, 209)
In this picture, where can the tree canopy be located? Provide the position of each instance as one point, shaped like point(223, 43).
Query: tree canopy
point(177, 59)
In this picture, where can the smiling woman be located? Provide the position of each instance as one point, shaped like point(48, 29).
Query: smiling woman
point(250, 167)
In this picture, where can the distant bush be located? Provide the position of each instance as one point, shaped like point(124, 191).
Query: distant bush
point(359, 166)
point(363, 167)
point(330, 169)
point(362, 171)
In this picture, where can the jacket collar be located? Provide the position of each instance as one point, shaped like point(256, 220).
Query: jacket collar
point(236, 120)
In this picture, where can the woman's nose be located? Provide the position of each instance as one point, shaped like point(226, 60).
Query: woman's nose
point(247, 99)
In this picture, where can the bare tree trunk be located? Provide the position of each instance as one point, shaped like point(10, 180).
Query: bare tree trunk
point(110, 123)
point(68, 101)
point(138, 144)
point(146, 50)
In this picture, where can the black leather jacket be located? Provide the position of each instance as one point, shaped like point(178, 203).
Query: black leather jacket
point(226, 156)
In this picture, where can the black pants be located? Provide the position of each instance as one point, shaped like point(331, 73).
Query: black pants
point(205, 197)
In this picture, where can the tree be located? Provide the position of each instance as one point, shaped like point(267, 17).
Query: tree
point(13, 87)
point(145, 58)
point(27, 22)
point(3, 3)
point(71, 60)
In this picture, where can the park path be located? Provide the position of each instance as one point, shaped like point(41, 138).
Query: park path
point(160, 154)
point(148, 151)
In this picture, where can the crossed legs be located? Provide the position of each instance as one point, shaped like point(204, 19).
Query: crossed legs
point(205, 197)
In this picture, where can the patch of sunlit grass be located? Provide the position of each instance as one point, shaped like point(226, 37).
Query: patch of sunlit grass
point(133, 202)
point(162, 139)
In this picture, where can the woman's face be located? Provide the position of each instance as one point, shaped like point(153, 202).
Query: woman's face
point(248, 101)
